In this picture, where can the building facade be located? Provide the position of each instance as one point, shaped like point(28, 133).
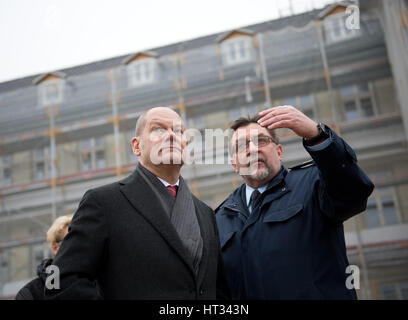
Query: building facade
point(68, 131)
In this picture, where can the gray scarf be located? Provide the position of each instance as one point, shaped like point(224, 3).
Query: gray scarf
point(181, 211)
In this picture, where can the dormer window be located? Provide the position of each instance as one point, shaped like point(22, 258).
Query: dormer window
point(50, 88)
point(141, 72)
point(141, 69)
point(236, 47)
point(237, 50)
point(336, 28)
point(51, 92)
point(335, 23)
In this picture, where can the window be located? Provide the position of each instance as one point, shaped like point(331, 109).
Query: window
point(237, 50)
point(37, 256)
point(336, 29)
point(197, 122)
point(357, 102)
point(51, 92)
point(395, 291)
point(41, 163)
point(234, 114)
point(92, 154)
point(382, 208)
point(5, 171)
point(251, 110)
point(304, 103)
point(4, 268)
point(141, 72)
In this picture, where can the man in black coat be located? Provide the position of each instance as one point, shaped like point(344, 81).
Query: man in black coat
point(146, 236)
point(282, 231)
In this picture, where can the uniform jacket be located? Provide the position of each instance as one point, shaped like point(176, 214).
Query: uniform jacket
point(292, 246)
point(122, 237)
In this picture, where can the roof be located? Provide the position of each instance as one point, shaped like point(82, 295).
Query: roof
point(296, 21)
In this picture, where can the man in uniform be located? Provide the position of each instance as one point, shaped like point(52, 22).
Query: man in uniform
point(281, 231)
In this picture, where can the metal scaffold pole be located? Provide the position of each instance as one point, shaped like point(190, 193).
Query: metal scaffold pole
point(367, 291)
point(327, 73)
point(268, 101)
point(115, 122)
point(53, 163)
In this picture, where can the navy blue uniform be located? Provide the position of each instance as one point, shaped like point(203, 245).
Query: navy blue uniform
point(292, 246)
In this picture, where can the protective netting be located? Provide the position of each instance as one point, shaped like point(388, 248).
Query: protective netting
point(87, 114)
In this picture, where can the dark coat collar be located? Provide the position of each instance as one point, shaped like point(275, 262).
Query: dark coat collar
point(137, 191)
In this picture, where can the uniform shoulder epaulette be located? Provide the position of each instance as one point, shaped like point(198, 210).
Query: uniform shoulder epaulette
point(303, 165)
point(216, 209)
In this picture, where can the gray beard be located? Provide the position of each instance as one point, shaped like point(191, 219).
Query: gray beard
point(261, 174)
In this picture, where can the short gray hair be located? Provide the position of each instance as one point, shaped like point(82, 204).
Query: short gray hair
point(140, 123)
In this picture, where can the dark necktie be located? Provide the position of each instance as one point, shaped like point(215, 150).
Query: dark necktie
point(173, 190)
point(254, 200)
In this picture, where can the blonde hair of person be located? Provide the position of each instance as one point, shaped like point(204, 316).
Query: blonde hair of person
point(57, 231)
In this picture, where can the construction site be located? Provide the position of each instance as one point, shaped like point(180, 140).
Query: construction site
point(67, 131)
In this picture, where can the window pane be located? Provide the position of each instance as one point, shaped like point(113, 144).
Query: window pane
point(309, 113)
point(199, 121)
point(290, 102)
point(100, 159)
point(336, 28)
point(39, 153)
point(234, 114)
point(52, 92)
point(351, 111)
point(363, 88)
point(367, 107)
point(86, 161)
point(231, 51)
point(404, 291)
point(306, 100)
point(99, 142)
point(6, 160)
point(39, 170)
point(85, 144)
point(147, 71)
point(242, 49)
point(372, 215)
point(389, 210)
point(347, 91)
point(6, 176)
point(389, 292)
point(252, 110)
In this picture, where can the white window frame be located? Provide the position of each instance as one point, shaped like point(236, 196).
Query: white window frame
point(92, 150)
point(148, 63)
point(338, 19)
point(45, 159)
point(356, 97)
point(235, 44)
point(6, 165)
point(378, 194)
point(58, 85)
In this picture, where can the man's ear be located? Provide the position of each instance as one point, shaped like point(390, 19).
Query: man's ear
point(280, 151)
point(234, 164)
point(136, 146)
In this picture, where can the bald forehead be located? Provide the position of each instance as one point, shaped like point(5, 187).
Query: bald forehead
point(161, 111)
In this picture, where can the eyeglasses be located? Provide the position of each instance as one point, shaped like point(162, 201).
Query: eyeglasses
point(260, 141)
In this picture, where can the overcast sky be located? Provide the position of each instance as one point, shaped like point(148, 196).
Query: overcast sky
point(44, 35)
